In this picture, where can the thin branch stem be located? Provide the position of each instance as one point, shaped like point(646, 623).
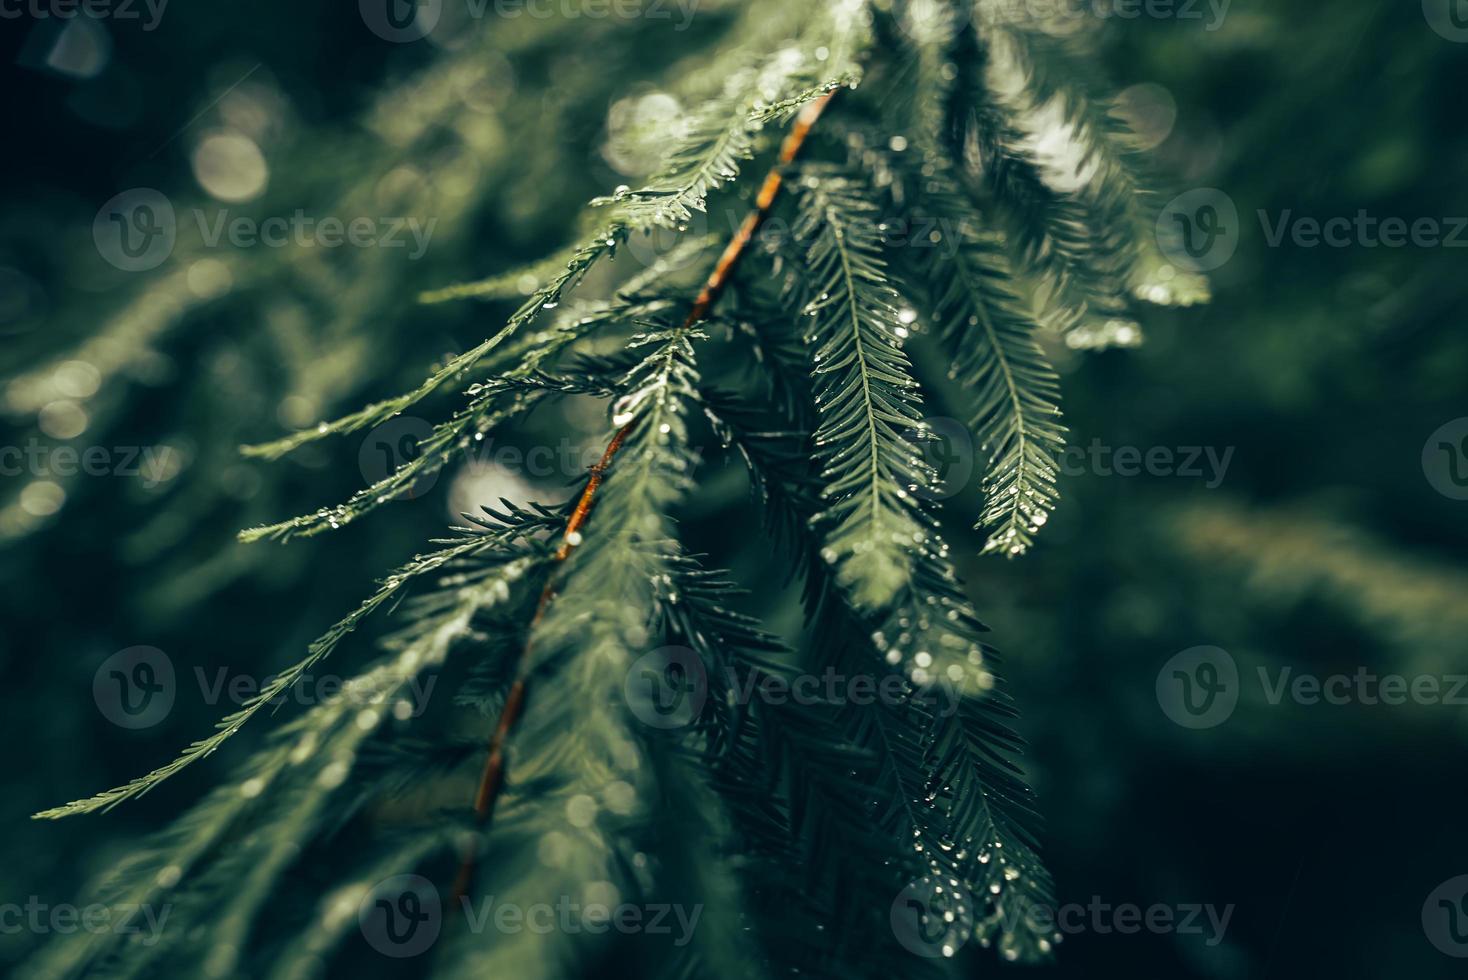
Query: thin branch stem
point(493, 778)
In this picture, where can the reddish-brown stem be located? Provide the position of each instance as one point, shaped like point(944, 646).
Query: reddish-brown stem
point(493, 777)
point(724, 268)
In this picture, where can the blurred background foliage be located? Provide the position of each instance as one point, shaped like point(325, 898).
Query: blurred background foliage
point(1324, 548)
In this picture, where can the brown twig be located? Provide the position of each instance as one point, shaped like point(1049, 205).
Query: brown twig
point(493, 777)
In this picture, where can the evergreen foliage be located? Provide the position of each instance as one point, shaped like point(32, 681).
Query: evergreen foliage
point(794, 827)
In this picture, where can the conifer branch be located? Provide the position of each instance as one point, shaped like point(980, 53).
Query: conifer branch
point(796, 820)
point(492, 778)
point(272, 691)
point(1016, 415)
point(866, 395)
